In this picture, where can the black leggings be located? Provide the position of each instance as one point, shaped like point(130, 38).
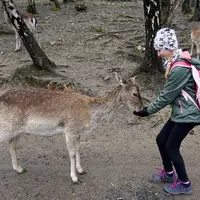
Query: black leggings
point(169, 140)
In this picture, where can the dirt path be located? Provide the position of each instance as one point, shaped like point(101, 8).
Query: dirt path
point(119, 156)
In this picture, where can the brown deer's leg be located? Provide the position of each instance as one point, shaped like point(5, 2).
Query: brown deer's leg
point(12, 147)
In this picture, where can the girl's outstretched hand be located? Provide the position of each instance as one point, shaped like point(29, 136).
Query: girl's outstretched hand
point(141, 113)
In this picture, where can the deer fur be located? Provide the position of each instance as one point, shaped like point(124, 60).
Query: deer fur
point(45, 112)
point(31, 23)
point(195, 37)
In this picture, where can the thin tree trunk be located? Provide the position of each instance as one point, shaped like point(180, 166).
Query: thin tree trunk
point(56, 3)
point(39, 58)
point(196, 15)
point(172, 11)
point(151, 62)
point(31, 8)
point(165, 7)
point(186, 8)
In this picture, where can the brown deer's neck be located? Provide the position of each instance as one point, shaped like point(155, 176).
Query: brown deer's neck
point(110, 99)
point(105, 106)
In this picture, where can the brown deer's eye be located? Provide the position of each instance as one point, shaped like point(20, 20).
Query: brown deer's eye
point(135, 94)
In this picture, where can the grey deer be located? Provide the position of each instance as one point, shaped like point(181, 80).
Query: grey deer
point(31, 23)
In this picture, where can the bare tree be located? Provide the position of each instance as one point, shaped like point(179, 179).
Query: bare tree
point(151, 62)
point(165, 7)
point(168, 11)
point(186, 8)
point(31, 8)
point(56, 3)
point(39, 58)
point(191, 8)
point(196, 10)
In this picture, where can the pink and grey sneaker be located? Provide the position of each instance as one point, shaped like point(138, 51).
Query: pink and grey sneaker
point(162, 177)
point(178, 188)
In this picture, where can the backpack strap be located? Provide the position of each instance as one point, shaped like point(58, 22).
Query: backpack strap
point(196, 77)
point(187, 96)
point(181, 63)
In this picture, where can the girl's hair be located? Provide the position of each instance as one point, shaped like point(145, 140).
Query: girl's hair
point(169, 63)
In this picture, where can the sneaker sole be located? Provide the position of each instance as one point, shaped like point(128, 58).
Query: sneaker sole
point(179, 193)
point(160, 181)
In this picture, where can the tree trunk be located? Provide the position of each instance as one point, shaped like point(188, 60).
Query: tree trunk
point(165, 7)
point(186, 8)
point(196, 15)
point(151, 63)
point(31, 7)
point(57, 5)
point(171, 12)
point(39, 58)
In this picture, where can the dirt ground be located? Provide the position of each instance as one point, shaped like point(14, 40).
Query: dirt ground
point(120, 155)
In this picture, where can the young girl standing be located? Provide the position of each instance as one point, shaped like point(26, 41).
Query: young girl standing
point(184, 115)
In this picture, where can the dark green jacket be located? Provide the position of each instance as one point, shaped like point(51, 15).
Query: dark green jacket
point(182, 111)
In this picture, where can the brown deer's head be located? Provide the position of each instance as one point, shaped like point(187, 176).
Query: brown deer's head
point(130, 92)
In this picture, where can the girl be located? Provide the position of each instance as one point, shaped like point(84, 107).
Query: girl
point(184, 116)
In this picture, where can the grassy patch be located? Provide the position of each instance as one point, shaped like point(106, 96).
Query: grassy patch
point(55, 9)
point(99, 29)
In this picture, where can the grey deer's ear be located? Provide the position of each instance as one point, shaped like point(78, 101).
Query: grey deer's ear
point(119, 78)
point(133, 79)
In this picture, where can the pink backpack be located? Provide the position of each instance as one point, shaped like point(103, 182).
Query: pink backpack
point(196, 75)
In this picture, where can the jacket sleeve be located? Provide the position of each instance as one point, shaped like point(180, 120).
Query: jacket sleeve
point(175, 83)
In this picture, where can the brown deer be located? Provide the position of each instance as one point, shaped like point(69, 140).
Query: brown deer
point(195, 37)
point(45, 112)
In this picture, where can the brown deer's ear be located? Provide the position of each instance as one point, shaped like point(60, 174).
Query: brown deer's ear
point(133, 79)
point(119, 79)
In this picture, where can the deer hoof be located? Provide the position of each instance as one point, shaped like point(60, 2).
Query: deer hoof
point(17, 49)
point(77, 182)
point(20, 170)
point(83, 172)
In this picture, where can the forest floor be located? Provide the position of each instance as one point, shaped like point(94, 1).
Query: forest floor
point(119, 156)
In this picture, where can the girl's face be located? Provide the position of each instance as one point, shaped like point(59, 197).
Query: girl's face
point(165, 54)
